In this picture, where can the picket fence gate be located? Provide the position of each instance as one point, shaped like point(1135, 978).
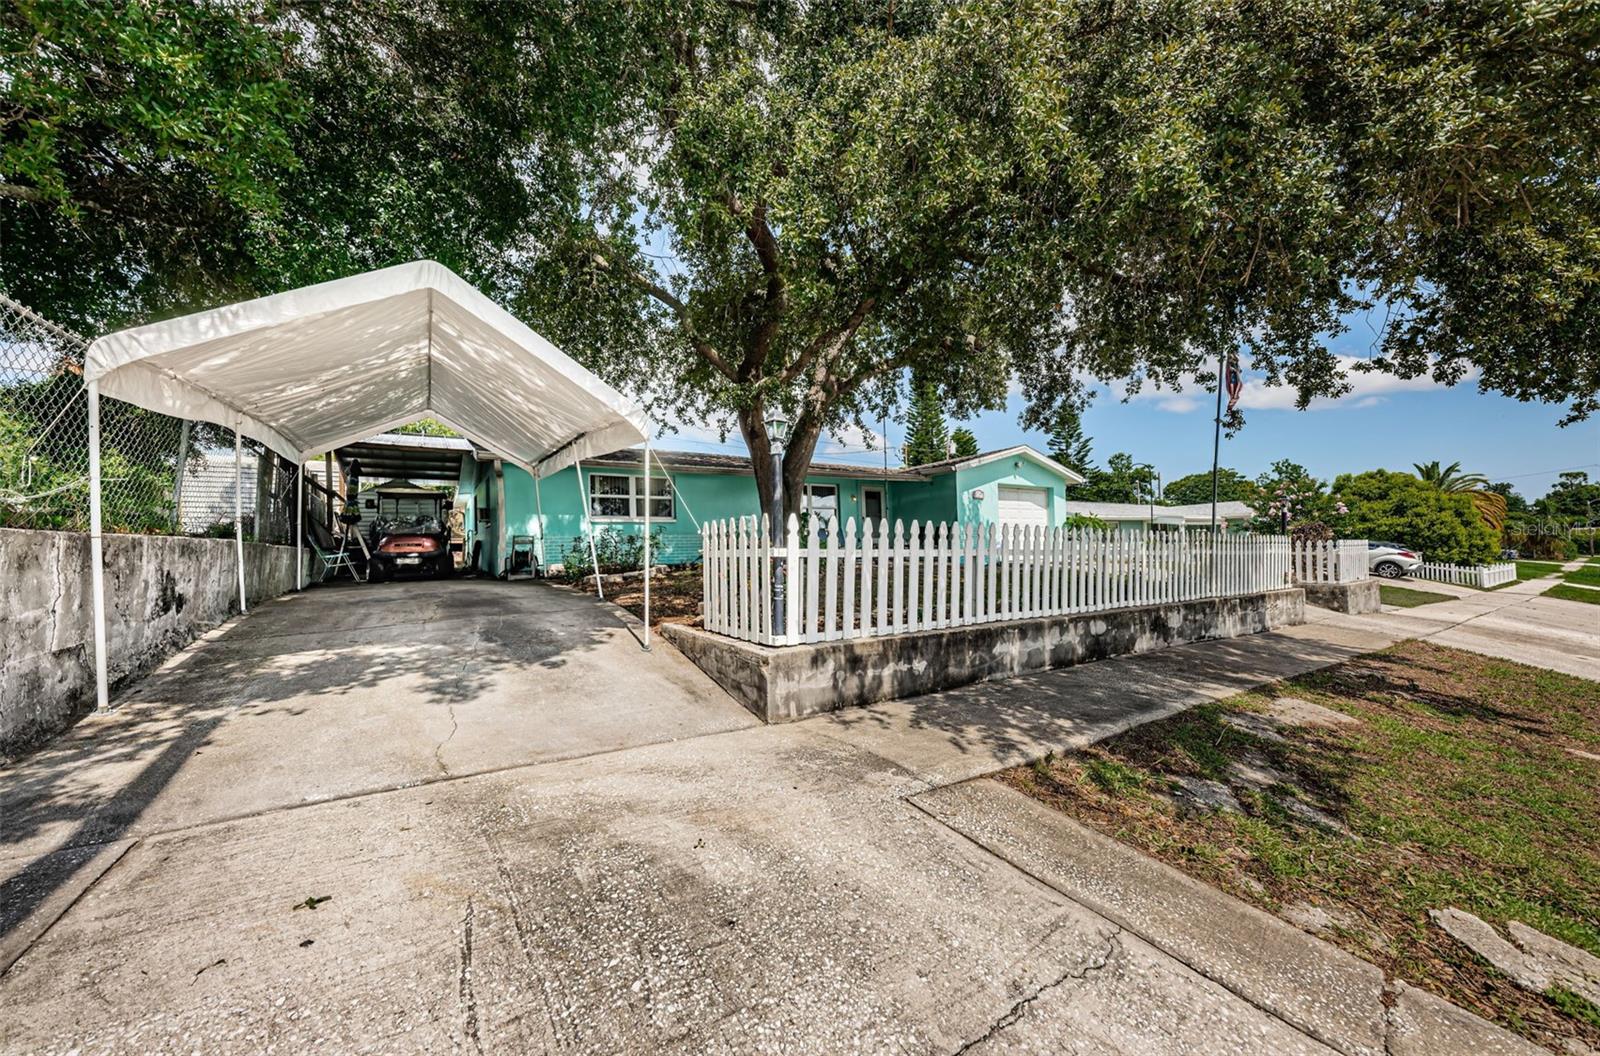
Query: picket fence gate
point(884, 580)
point(1481, 576)
point(1335, 561)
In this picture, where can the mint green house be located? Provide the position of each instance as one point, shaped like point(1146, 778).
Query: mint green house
point(499, 501)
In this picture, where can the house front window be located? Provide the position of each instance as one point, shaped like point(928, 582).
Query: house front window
point(822, 500)
point(619, 497)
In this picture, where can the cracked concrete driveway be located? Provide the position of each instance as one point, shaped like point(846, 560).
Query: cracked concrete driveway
point(532, 837)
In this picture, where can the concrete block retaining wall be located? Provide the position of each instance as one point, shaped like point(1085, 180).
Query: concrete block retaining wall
point(792, 682)
point(161, 592)
point(1354, 598)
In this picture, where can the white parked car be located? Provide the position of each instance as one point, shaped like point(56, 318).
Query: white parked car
point(1391, 560)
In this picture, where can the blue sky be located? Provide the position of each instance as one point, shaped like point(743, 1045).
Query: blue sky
point(1384, 423)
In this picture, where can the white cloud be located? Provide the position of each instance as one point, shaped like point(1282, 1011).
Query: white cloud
point(1366, 390)
point(852, 440)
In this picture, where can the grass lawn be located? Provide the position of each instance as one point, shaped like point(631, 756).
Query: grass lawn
point(1570, 593)
point(1407, 598)
point(1585, 576)
point(1454, 788)
point(1537, 569)
point(674, 597)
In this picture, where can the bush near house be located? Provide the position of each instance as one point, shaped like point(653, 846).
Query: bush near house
point(1445, 526)
point(615, 551)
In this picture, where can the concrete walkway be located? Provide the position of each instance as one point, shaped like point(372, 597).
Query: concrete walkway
point(1513, 623)
point(816, 887)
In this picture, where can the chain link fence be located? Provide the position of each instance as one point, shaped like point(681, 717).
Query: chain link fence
point(159, 474)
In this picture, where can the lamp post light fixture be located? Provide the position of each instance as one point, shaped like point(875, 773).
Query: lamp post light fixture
point(778, 436)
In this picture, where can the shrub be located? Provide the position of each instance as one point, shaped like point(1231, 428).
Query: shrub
point(1445, 526)
point(616, 551)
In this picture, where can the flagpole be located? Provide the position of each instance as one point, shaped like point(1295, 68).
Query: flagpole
point(1216, 438)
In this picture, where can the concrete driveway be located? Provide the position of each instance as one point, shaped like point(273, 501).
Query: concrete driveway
point(352, 689)
point(684, 882)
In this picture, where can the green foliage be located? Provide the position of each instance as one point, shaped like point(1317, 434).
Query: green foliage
point(615, 550)
point(1069, 445)
point(169, 155)
point(1445, 526)
point(1120, 481)
point(926, 438)
point(1572, 499)
point(1232, 486)
point(964, 441)
point(425, 427)
point(1288, 494)
point(1083, 520)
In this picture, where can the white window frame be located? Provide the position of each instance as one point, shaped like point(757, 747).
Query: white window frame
point(805, 505)
point(635, 497)
point(883, 500)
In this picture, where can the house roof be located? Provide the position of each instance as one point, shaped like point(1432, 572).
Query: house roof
point(397, 488)
point(702, 462)
point(983, 457)
point(1193, 513)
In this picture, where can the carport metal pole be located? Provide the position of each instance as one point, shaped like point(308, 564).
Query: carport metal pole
point(299, 523)
point(647, 500)
point(538, 515)
point(238, 513)
point(588, 529)
point(96, 553)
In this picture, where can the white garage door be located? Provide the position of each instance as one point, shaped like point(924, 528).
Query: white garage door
point(1024, 506)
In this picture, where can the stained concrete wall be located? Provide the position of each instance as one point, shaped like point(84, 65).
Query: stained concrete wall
point(1354, 598)
point(792, 682)
point(161, 592)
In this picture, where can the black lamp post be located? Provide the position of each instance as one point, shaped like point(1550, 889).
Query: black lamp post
point(777, 437)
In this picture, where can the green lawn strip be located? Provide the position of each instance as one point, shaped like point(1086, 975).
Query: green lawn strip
point(1537, 569)
point(1585, 576)
point(1407, 598)
point(1567, 592)
point(1455, 789)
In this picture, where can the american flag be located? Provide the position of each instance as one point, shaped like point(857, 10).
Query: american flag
point(1235, 381)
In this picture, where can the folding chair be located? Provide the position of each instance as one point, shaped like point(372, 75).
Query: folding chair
point(332, 562)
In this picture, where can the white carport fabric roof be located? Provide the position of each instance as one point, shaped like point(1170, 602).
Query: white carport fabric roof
point(316, 368)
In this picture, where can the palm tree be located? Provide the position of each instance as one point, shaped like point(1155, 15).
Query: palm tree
point(1491, 505)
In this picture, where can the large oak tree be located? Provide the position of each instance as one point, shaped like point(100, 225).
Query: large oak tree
point(748, 208)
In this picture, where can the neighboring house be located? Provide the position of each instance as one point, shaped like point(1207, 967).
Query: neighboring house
point(207, 495)
point(1014, 485)
point(1141, 516)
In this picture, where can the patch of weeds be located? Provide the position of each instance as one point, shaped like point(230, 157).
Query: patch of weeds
point(1575, 1005)
point(1116, 778)
point(1456, 786)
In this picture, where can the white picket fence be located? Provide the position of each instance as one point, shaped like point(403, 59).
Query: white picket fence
point(1336, 561)
point(1481, 576)
point(885, 580)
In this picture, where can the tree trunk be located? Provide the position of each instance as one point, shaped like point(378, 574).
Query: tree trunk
point(796, 460)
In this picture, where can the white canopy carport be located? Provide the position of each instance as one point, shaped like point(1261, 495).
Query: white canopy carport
point(319, 367)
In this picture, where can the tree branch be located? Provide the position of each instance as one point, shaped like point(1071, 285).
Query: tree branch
point(680, 310)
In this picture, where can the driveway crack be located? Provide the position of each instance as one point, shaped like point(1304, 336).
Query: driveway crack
point(1103, 957)
point(469, 998)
